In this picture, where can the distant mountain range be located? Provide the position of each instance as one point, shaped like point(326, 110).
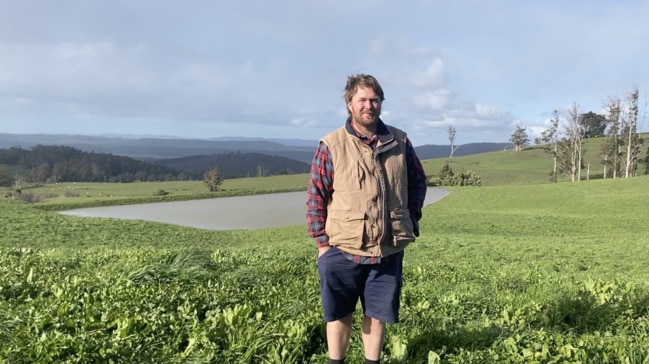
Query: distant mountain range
point(159, 148)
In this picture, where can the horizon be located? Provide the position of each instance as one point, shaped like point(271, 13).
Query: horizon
point(283, 141)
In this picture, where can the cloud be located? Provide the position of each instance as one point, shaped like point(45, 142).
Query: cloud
point(435, 100)
point(185, 68)
point(109, 79)
point(82, 74)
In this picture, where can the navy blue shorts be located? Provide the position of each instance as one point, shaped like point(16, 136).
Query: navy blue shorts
point(343, 282)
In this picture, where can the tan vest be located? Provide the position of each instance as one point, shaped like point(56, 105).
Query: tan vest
point(368, 212)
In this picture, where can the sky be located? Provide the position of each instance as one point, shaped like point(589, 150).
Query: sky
point(277, 69)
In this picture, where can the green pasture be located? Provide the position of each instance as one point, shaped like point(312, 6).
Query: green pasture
point(68, 195)
point(78, 191)
point(508, 167)
point(529, 166)
point(528, 273)
point(139, 189)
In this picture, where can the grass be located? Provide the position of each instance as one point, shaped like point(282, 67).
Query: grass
point(519, 271)
point(529, 166)
point(588, 221)
point(99, 191)
point(503, 168)
point(61, 196)
point(509, 272)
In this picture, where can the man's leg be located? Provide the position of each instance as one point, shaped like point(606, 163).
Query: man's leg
point(373, 332)
point(340, 286)
point(338, 334)
point(381, 303)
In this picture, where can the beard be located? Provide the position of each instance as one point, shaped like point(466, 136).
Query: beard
point(366, 119)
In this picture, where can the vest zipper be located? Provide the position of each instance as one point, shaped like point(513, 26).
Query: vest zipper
point(380, 149)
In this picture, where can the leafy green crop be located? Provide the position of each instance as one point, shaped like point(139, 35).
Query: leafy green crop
point(552, 273)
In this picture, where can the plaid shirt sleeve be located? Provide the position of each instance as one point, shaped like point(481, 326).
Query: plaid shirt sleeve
point(416, 185)
point(319, 194)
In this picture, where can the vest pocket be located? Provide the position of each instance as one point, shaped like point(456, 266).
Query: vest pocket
point(402, 229)
point(345, 228)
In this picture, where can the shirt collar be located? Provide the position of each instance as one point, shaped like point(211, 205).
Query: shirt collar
point(381, 130)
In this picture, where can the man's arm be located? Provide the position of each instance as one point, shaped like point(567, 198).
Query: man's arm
point(416, 185)
point(319, 194)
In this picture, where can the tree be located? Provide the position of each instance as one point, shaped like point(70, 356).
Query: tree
point(646, 162)
point(594, 124)
point(445, 171)
point(610, 149)
point(621, 149)
point(6, 180)
point(630, 132)
point(571, 147)
point(212, 179)
point(550, 140)
point(451, 138)
point(40, 173)
point(565, 145)
point(519, 138)
point(60, 163)
point(261, 171)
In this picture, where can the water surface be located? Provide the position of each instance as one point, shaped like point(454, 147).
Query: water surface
point(226, 213)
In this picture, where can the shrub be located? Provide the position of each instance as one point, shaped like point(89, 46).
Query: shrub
point(446, 177)
point(212, 179)
point(70, 194)
point(33, 198)
point(433, 181)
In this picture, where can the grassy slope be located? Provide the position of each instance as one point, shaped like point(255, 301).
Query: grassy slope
point(530, 166)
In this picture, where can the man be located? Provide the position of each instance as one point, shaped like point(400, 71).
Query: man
point(365, 195)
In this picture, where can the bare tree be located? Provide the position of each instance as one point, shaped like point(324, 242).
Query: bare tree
point(645, 160)
point(565, 145)
point(621, 148)
point(261, 171)
point(630, 130)
point(451, 139)
point(610, 149)
point(550, 140)
point(574, 143)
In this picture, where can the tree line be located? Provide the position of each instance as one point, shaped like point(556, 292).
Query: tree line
point(620, 151)
point(51, 164)
point(236, 165)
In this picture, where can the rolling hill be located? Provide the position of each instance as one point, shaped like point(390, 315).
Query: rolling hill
point(157, 149)
point(236, 165)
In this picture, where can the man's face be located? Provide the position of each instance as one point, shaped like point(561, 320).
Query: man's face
point(365, 107)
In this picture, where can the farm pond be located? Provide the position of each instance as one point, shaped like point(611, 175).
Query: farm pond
point(226, 213)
